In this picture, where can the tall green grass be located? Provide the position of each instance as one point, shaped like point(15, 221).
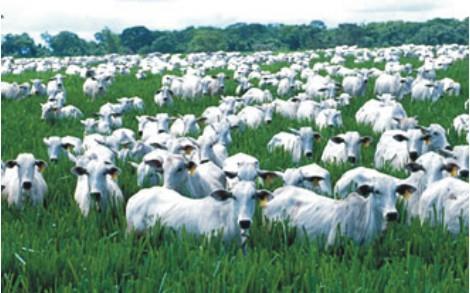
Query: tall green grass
point(54, 248)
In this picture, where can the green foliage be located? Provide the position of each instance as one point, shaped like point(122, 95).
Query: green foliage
point(244, 37)
point(54, 248)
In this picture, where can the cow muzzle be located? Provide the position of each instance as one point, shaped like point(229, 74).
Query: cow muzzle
point(413, 156)
point(244, 224)
point(27, 185)
point(391, 216)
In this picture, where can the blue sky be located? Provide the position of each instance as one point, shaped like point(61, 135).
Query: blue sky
point(86, 17)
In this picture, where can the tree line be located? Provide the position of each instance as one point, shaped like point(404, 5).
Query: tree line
point(240, 37)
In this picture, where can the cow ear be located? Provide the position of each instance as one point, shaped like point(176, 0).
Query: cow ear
point(221, 195)
point(269, 175)
point(427, 138)
point(400, 137)
point(366, 140)
point(230, 175)
point(364, 189)
point(452, 168)
point(114, 172)
point(79, 171)
point(191, 166)
point(264, 196)
point(67, 146)
point(316, 136)
point(158, 146)
point(41, 165)
point(11, 164)
point(337, 139)
point(414, 167)
point(315, 179)
point(154, 163)
point(405, 190)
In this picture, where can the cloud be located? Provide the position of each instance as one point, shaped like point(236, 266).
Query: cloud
point(85, 17)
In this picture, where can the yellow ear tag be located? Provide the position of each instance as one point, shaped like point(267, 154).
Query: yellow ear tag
point(69, 147)
point(317, 138)
point(41, 168)
point(453, 172)
point(427, 140)
point(407, 195)
point(366, 144)
point(114, 176)
point(316, 181)
point(263, 202)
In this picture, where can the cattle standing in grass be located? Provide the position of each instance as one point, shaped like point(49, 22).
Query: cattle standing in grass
point(297, 143)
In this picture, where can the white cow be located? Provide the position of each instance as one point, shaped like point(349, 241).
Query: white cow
point(184, 125)
point(96, 184)
point(37, 87)
point(397, 147)
point(356, 217)
point(355, 85)
point(345, 147)
point(312, 177)
point(58, 146)
point(229, 213)
point(23, 179)
point(446, 202)
point(461, 123)
point(254, 116)
point(164, 97)
point(297, 143)
point(329, 118)
point(55, 84)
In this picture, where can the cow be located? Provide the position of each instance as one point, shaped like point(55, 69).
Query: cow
point(23, 179)
point(329, 118)
point(96, 184)
point(297, 142)
point(355, 217)
point(345, 147)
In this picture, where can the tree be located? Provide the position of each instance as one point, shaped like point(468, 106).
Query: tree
point(136, 37)
point(207, 40)
point(19, 45)
point(68, 44)
point(108, 41)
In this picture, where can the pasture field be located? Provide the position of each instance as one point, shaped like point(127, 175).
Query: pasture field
point(54, 248)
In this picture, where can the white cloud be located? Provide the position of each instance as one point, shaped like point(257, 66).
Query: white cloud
point(86, 17)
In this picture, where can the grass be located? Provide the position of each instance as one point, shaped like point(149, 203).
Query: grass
point(54, 248)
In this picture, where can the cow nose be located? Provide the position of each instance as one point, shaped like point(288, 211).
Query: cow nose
point(27, 185)
point(309, 154)
point(54, 160)
point(161, 131)
point(3, 187)
point(413, 156)
point(464, 173)
point(268, 121)
point(245, 224)
point(352, 159)
point(96, 195)
point(392, 216)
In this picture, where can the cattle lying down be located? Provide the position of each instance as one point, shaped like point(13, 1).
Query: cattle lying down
point(345, 147)
point(312, 177)
point(356, 217)
point(95, 184)
point(227, 212)
point(23, 179)
point(446, 202)
point(297, 143)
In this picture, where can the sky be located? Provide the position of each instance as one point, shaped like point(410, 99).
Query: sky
point(85, 17)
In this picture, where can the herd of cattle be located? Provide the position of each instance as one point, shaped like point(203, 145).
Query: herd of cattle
point(220, 191)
